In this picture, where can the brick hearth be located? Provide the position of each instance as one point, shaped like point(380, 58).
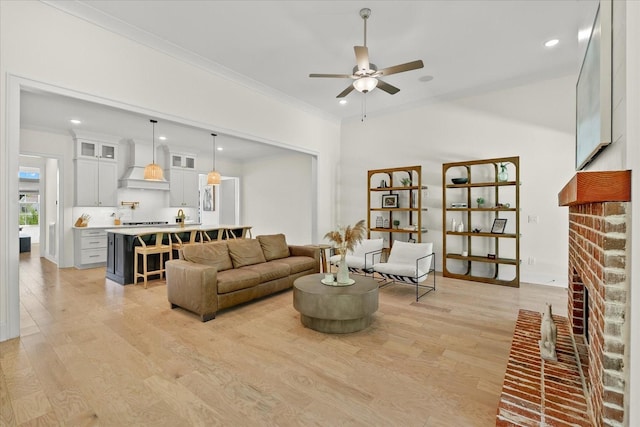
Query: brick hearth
point(536, 392)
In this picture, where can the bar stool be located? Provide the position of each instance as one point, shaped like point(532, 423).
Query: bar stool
point(239, 232)
point(213, 234)
point(145, 250)
point(178, 243)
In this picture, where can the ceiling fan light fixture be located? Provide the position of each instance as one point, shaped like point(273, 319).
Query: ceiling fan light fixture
point(365, 84)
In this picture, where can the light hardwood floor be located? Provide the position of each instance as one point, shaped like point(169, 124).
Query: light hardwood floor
point(93, 352)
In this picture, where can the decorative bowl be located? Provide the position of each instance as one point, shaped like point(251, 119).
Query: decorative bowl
point(459, 180)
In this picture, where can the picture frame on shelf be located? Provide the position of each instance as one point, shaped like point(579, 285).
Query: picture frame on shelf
point(498, 225)
point(389, 200)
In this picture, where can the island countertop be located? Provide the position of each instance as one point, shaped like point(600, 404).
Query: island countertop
point(139, 231)
point(121, 243)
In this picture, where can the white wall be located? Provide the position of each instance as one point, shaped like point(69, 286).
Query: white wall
point(276, 196)
point(623, 154)
point(50, 250)
point(41, 46)
point(632, 125)
point(535, 122)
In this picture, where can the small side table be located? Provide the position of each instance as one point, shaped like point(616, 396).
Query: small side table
point(324, 266)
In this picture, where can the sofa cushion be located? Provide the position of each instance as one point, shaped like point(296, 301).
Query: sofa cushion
point(214, 254)
point(245, 252)
point(270, 270)
point(237, 279)
point(274, 246)
point(298, 264)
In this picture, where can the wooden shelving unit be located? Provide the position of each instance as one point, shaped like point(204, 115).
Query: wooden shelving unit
point(482, 181)
point(410, 202)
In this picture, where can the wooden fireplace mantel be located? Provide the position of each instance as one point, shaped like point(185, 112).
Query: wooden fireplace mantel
point(596, 186)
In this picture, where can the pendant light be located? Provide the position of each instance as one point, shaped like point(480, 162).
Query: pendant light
point(153, 172)
point(213, 177)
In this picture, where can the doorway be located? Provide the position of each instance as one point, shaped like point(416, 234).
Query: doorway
point(39, 216)
point(219, 204)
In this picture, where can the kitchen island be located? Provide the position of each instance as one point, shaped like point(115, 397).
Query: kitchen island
point(121, 243)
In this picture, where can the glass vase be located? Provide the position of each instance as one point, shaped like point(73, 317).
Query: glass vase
point(343, 270)
point(503, 175)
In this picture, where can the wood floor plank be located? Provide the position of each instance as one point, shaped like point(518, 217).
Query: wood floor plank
point(93, 352)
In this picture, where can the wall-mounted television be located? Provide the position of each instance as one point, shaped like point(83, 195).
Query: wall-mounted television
point(593, 92)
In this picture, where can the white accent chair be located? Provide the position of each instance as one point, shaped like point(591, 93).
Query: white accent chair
point(363, 256)
point(409, 263)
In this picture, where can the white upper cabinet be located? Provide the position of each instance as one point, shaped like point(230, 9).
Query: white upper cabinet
point(86, 149)
point(96, 172)
point(183, 180)
point(182, 161)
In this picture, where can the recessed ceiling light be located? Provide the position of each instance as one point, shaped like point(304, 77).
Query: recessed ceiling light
point(552, 42)
point(75, 121)
point(162, 138)
point(220, 148)
point(342, 101)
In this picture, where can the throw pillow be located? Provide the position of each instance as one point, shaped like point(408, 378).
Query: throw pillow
point(245, 252)
point(214, 254)
point(274, 246)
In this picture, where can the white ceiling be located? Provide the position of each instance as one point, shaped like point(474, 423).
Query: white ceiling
point(467, 46)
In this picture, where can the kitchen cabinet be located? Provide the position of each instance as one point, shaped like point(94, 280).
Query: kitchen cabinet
point(90, 248)
point(182, 161)
point(87, 149)
point(183, 180)
point(96, 173)
point(96, 183)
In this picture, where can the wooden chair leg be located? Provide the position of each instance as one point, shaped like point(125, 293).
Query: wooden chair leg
point(135, 268)
point(145, 270)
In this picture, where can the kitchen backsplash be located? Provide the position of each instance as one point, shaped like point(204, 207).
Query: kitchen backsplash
point(105, 216)
point(151, 205)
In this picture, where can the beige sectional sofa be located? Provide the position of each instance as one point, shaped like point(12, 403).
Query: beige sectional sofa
point(216, 275)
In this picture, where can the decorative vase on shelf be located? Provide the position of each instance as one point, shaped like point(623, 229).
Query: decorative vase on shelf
point(503, 175)
point(342, 278)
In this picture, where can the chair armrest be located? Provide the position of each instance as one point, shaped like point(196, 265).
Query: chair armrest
point(192, 286)
point(372, 255)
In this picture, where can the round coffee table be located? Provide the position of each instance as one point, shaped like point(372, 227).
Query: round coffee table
point(335, 309)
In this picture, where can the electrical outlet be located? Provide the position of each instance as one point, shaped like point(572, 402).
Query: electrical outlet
point(532, 219)
point(531, 260)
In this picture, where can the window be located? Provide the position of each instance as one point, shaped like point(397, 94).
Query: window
point(29, 209)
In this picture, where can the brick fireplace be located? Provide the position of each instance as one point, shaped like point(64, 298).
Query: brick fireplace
point(599, 211)
point(586, 385)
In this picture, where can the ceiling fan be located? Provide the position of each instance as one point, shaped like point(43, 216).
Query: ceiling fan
point(366, 75)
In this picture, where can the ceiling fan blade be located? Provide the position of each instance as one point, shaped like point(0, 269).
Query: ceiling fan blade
point(390, 89)
point(413, 65)
point(362, 57)
point(336, 76)
point(345, 92)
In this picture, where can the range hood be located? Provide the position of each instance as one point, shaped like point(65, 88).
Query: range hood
point(140, 154)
